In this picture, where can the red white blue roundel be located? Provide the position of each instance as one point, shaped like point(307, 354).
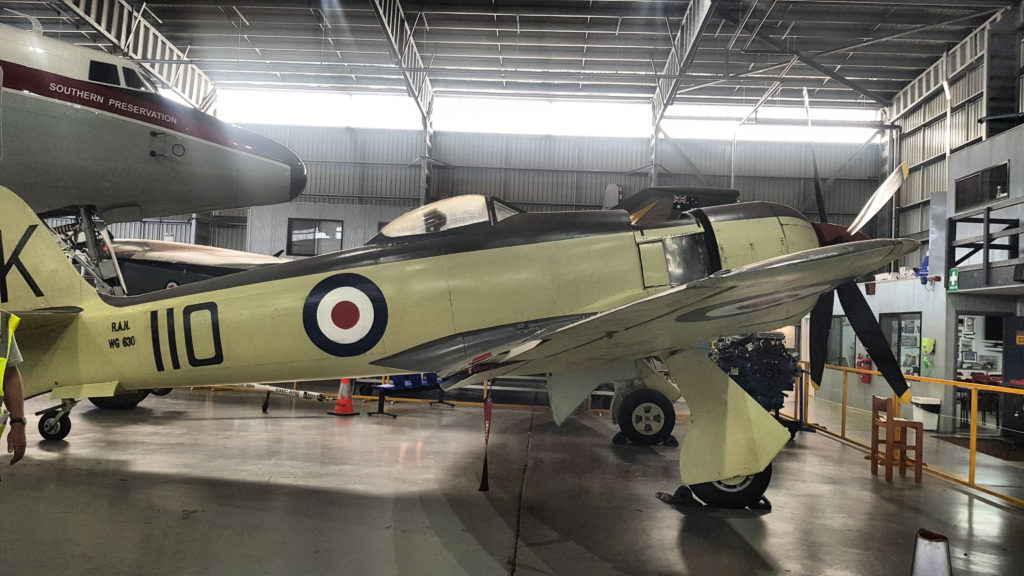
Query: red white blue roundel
point(345, 315)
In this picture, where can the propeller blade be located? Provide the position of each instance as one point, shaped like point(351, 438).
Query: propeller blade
point(882, 195)
point(821, 325)
point(819, 194)
point(871, 336)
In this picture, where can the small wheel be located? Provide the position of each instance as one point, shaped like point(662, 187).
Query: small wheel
point(647, 417)
point(120, 401)
point(53, 428)
point(738, 492)
point(160, 391)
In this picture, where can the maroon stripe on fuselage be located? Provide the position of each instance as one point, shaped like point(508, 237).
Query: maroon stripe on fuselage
point(144, 107)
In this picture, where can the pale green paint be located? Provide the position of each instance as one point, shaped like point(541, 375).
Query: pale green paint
point(730, 434)
point(100, 389)
point(652, 259)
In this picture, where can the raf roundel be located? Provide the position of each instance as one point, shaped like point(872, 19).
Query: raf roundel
point(345, 315)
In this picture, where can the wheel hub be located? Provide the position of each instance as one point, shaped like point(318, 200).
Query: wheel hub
point(734, 484)
point(51, 425)
point(648, 418)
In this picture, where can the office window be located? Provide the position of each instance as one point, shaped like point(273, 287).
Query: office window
point(310, 237)
point(903, 332)
point(103, 72)
point(842, 343)
point(982, 187)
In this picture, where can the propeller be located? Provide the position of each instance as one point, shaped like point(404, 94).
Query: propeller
point(859, 313)
point(819, 194)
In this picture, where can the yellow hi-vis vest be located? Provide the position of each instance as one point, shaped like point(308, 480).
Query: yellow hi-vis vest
point(8, 322)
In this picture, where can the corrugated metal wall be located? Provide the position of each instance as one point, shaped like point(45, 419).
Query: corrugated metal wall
point(171, 230)
point(363, 176)
point(933, 126)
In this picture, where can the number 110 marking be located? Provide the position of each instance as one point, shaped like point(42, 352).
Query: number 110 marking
point(190, 349)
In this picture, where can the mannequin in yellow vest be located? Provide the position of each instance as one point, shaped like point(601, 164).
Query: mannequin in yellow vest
point(13, 395)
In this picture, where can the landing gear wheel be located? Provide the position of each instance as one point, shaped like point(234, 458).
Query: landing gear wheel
point(121, 401)
point(161, 391)
point(53, 428)
point(738, 492)
point(646, 417)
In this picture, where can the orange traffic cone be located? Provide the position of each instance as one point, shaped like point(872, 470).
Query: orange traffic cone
point(343, 407)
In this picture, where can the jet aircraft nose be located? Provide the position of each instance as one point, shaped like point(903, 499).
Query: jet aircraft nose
point(266, 147)
point(299, 176)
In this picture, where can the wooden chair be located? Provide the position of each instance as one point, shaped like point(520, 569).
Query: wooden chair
point(988, 401)
point(896, 442)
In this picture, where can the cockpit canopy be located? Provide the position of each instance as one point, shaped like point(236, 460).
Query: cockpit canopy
point(445, 215)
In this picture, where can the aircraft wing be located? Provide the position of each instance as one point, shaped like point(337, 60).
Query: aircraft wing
point(760, 296)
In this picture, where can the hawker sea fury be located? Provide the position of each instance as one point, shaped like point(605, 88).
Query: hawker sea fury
point(472, 289)
point(79, 127)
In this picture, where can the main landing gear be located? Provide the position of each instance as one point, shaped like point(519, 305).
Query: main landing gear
point(646, 417)
point(120, 401)
point(737, 492)
point(734, 493)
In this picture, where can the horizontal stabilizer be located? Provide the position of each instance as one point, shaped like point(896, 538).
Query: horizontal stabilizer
point(47, 318)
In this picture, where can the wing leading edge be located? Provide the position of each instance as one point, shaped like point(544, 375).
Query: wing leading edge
point(759, 296)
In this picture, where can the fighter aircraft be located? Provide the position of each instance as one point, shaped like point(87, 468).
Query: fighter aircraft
point(84, 128)
point(470, 288)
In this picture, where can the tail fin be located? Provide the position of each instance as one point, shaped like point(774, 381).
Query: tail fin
point(34, 273)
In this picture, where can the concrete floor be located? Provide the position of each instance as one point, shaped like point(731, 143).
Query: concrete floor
point(203, 483)
point(1003, 476)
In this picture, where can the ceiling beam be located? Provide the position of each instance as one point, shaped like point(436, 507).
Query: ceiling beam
point(683, 50)
point(782, 49)
point(407, 57)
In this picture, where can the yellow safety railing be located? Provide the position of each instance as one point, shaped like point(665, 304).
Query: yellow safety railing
point(800, 412)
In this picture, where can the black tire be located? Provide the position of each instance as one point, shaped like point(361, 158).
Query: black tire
point(121, 401)
point(52, 428)
point(734, 494)
point(647, 417)
point(161, 391)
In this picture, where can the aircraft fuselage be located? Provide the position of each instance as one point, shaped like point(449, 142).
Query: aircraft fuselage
point(81, 127)
point(435, 305)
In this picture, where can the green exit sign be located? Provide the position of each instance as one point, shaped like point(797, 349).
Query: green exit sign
point(954, 279)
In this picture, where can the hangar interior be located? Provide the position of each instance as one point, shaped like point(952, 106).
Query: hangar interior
point(755, 95)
